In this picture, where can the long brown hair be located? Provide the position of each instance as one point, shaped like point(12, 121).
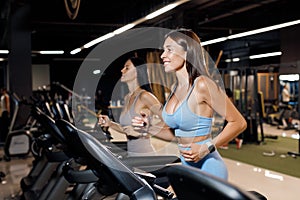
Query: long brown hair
point(195, 60)
point(142, 73)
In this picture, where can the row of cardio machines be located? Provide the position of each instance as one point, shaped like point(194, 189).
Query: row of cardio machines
point(76, 163)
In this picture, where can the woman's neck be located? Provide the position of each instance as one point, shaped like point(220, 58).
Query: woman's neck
point(133, 89)
point(182, 78)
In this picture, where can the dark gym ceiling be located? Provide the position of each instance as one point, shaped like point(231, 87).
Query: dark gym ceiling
point(52, 29)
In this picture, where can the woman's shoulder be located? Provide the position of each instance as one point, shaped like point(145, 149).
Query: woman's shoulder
point(205, 84)
point(144, 94)
point(201, 82)
point(148, 97)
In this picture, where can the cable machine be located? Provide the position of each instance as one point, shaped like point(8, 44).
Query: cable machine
point(248, 100)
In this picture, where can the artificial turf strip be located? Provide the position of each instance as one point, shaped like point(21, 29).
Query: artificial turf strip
point(252, 153)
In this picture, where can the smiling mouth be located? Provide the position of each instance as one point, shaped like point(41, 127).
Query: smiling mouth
point(166, 63)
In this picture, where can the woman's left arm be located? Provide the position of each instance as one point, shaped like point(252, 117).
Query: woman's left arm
point(220, 103)
point(209, 93)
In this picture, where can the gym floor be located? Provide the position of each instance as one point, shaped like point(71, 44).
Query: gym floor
point(273, 185)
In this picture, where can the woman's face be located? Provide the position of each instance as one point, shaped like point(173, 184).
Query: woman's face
point(173, 55)
point(128, 72)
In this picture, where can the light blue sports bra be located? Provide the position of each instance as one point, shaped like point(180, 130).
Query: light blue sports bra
point(184, 121)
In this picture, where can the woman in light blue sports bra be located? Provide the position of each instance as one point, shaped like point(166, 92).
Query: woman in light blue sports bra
point(138, 101)
point(190, 108)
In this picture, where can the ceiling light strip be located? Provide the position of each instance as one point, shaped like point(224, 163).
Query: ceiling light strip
point(161, 11)
point(75, 51)
point(265, 55)
point(99, 39)
point(262, 30)
point(51, 52)
point(4, 51)
point(221, 39)
point(253, 32)
point(130, 25)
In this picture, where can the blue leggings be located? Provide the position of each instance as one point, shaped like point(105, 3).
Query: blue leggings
point(211, 163)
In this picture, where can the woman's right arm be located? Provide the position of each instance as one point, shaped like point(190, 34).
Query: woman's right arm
point(104, 121)
point(158, 129)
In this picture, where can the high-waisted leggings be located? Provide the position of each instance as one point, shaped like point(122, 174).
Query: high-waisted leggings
point(211, 163)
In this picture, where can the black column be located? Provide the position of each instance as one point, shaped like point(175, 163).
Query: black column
point(19, 59)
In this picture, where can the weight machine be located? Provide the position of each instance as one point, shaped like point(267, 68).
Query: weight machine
point(247, 98)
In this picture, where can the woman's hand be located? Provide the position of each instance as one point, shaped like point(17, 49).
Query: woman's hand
point(141, 122)
point(103, 120)
point(196, 152)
